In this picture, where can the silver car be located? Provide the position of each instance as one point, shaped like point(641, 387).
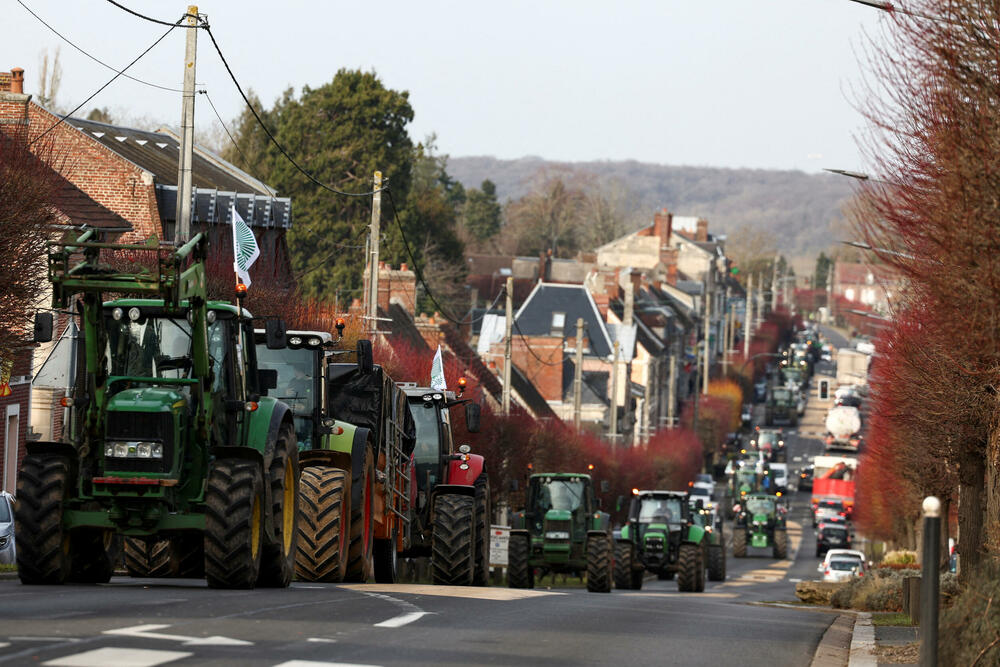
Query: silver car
point(7, 554)
point(843, 569)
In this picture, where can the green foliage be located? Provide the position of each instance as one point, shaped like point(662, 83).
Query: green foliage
point(822, 275)
point(483, 214)
point(878, 590)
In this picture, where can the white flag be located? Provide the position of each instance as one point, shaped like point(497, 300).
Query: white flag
point(437, 372)
point(245, 250)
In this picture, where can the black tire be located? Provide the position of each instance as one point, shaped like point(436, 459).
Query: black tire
point(716, 563)
point(638, 576)
point(739, 542)
point(277, 561)
point(180, 556)
point(519, 573)
point(386, 558)
point(481, 575)
point(92, 551)
point(323, 525)
point(600, 564)
point(623, 565)
point(689, 564)
point(43, 543)
point(362, 531)
point(452, 540)
point(780, 544)
point(700, 584)
point(366, 362)
point(234, 523)
point(665, 575)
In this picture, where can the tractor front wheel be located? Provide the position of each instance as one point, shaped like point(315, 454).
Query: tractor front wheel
point(234, 523)
point(278, 555)
point(690, 568)
point(453, 537)
point(780, 544)
point(520, 574)
point(716, 563)
point(481, 576)
point(323, 525)
point(600, 564)
point(740, 543)
point(359, 556)
point(623, 565)
point(43, 543)
point(386, 559)
point(93, 556)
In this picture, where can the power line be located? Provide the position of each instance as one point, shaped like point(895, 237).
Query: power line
point(113, 79)
point(533, 353)
point(151, 19)
point(246, 162)
point(268, 132)
point(94, 58)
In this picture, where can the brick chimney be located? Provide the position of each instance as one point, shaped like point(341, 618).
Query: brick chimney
point(668, 258)
point(545, 266)
point(701, 236)
point(663, 224)
point(397, 286)
point(17, 80)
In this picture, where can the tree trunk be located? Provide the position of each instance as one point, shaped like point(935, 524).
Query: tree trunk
point(971, 503)
point(945, 558)
point(992, 538)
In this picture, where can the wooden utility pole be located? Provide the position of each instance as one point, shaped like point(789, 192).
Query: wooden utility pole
point(672, 391)
point(747, 317)
point(774, 285)
point(578, 375)
point(374, 239)
point(708, 331)
point(726, 320)
point(509, 326)
point(182, 215)
point(614, 396)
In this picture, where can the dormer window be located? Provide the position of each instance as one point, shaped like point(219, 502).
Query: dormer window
point(558, 323)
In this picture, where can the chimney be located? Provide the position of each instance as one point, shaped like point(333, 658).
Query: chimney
point(17, 80)
point(701, 235)
point(663, 224)
point(545, 266)
point(669, 259)
point(397, 287)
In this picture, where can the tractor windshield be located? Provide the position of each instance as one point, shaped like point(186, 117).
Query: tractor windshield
point(426, 453)
point(296, 384)
point(760, 505)
point(782, 395)
point(660, 510)
point(559, 494)
point(768, 437)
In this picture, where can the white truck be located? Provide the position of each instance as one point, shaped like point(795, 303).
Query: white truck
point(852, 366)
point(843, 426)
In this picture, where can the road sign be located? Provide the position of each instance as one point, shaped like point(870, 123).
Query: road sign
point(499, 539)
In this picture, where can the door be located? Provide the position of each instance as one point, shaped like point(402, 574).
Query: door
point(11, 428)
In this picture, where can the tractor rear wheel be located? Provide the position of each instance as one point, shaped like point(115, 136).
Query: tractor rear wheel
point(716, 562)
point(638, 575)
point(359, 554)
point(43, 543)
point(92, 552)
point(739, 543)
point(323, 525)
point(623, 565)
point(481, 575)
point(600, 564)
point(386, 559)
point(234, 523)
point(519, 573)
point(277, 562)
point(780, 544)
point(689, 564)
point(452, 540)
point(180, 556)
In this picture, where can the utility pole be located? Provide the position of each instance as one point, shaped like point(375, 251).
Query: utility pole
point(373, 249)
point(708, 330)
point(727, 319)
point(182, 216)
point(578, 375)
point(672, 391)
point(614, 396)
point(506, 350)
point(748, 315)
point(774, 285)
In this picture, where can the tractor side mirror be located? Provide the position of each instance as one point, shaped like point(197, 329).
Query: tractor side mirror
point(274, 334)
point(267, 378)
point(472, 414)
point(43, 328)
point(619, 503)
point(605, 486)
point(366, 360)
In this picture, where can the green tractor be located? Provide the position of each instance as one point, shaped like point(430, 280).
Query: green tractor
point(172, 443)
point(663, 536)
point(781, 406)
point(562, 530)
point(760, 522)
point(706, 516)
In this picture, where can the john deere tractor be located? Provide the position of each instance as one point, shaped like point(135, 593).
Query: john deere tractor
point(662, 536)
point(170, 441)
point(760, 523)
point(707, 517)
point(561, 529)
point(781, 406)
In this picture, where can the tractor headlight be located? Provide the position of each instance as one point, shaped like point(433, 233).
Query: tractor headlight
point(134, 450)
point(557, 535)
point(295, 340)
point(157, 450)
point(315, 341)
point(134, 314)
point(121, 450)
point(117, 314)
point(143, 450)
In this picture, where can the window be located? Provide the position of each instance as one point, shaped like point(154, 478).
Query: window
point(558, 323)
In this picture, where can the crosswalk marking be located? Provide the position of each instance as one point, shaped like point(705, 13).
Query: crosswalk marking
point(486, 593)
point(314, 663)
point(401, 620)
point(119, 657)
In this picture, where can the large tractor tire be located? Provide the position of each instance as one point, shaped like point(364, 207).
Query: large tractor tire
point(623, 565)
point(323, 525)
point(362, 531)
point(277, 561)
point(452, 540)
point(180, 556)
point(234, 523)
point(43, 543)
point(386, 559)
point(638, 575)
point(519, 573)
point(92, 556)
point(716, 562)
point(700, 583)
point(481, 575)
point(739, 543)
point(690, 568)
point(600, 564)
point(780, 544)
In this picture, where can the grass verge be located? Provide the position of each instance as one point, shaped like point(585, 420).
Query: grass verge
point(893, 618)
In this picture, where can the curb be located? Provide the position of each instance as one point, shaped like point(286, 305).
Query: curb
point(835, 646)
point(863, 642)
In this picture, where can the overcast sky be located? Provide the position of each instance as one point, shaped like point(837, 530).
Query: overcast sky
point(726, 83)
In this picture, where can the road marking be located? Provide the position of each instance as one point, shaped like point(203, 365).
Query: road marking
point(486, 593)
point(313, 663)
point(400, 621)
point(794, 581)
point(322, 640)
point(43, 639)
point(681, 595)
point(321, 588)
point(4, 644)
point(145, 632)
point(796, 459)
point(120, 657)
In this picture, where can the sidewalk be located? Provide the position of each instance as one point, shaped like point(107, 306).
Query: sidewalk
point(852, 640)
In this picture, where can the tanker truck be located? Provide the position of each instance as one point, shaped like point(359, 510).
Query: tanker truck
point(843, 426)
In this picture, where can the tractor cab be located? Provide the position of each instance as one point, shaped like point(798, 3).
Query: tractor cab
point(657, 519)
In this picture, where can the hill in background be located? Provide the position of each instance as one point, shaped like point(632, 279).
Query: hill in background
point(801, 211)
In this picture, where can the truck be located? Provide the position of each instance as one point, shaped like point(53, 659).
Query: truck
point(843, 428)
point(833, 479)
point(171, 439)
point(450, 517)
point(852, 366)
point(561, 529)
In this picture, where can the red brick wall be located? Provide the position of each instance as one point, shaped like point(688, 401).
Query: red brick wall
point(545, 371)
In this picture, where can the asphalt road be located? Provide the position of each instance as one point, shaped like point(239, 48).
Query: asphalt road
point(146, 622)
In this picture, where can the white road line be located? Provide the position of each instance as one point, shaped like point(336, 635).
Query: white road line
point(43, 639)
point(322, 640)
point(4, 644)
point(313, 663)
point(145, 632)
point(400, 621)
point(119, 657)
point(794, 581)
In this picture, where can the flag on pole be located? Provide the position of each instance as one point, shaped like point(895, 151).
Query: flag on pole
point(437, 372)
point(245, 250)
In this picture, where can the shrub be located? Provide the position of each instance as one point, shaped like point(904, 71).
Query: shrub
point(970, 627)
point(899, 557)
point(878, 590)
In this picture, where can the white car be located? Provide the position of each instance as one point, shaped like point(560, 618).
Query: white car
point(779, 475)
point(7, 554)
point(843, 569)
point(702, 490)
point(841, 553)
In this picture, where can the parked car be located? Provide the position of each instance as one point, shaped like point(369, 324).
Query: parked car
point(843, 569)
point(7, 554)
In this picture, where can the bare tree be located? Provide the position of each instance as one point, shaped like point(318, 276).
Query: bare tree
point(49, 78)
